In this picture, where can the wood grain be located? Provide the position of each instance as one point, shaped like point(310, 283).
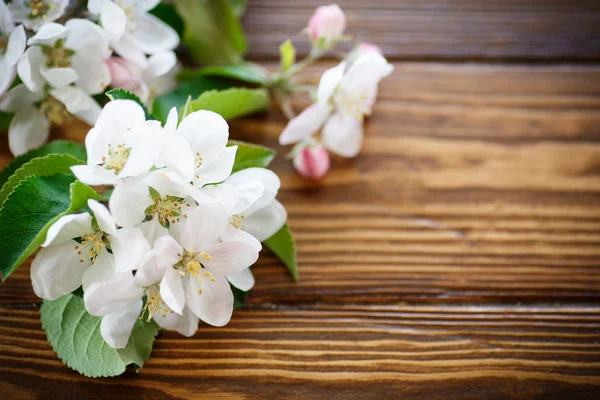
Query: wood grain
point(440, 29)
point(355, 352)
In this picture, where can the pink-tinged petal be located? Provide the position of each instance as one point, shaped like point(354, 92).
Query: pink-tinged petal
point(312, 162)
point(171, 290)
point(343, 135)
point(217, 170)
point(105, 297)
point(28, 130)
point(58, 270)
point(229, 258)
point(365, 48)
point(116, 327)
point(67, 228)
point(130, 248)
point(244, 280)
point(264, 223)
point(105, 220)
point(185, 324)
point(211, 301)
point(329, 82)
point(328, 22)
point(304, 125)
point(94, 175)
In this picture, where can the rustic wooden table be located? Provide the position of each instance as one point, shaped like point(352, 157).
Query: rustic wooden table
point(489, 126)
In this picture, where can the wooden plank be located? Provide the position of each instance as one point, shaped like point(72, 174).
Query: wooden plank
point(441, 29)
point(323, 352)
point(476, 184)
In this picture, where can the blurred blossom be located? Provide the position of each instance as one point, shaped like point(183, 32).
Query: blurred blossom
point(365, 48)
point(312, 162)
point(327, 24)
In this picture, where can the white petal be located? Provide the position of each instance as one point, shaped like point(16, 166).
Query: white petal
point(264, 223)
point(7, 23)
point(217, 170)
point(48, 34)
point(103, 269)
point(153, 230)
point(28, 130)
point(105, 220)
point(171, 290)
point(365, 72)
point(329, 81)
point(203, 226)
point(105, 297)
point(206, 132)
point(268, 178)
point(229, 258)
point(121, 116)
point(185, 324)
point(128, 49)
point(78, 103)
point(343, 135)
point(153, 36)
point(171, 125)
point(57, 270)
point(128, 202)
point(175, 153)
point(15, 46)
point(29, 66)
point(130, 248)
point(67, 228)
point(94, 175)
point(159, 64)
point(116, 327)
point(307, 123)
point(113, 20)
point(215, 303)
point(233, 234)
point(146, 5)
point(95, 6)
point(59, 77)
point(18, 97)
point(165, 254)
point(243, 280)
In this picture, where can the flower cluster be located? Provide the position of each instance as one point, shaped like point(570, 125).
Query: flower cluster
point(179, 229)
point(63, 61)
point(345, 96)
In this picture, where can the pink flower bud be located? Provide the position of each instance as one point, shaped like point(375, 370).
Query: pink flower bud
point(327, 22)
point(369, 48)
point(123, 74)
point(312, 162)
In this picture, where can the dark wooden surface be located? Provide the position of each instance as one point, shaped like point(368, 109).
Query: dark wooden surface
point(458, 257)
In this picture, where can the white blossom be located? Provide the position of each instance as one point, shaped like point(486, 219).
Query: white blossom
point(12, 46)
point(36, 13)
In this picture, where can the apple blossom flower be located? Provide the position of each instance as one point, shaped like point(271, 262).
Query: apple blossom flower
point(128, 75)
point(132, 31)
point(345, 96)
point(75, 252)
point(60, 55)
point(364, 48)
point(120, 145)
point(12, 46)
point(35, 13)
point(312, 162)
point(35, 111)
point(197, 148)
point(326, 25)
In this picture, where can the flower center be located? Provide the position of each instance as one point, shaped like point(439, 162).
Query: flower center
point(189, 264)
point(40, 8)
point(154, 303)
point(55, 111)
point(355, 104)
point(167, 209)
point(236, 220)
point(58, 56)
point(117, 158)
point(94, 242)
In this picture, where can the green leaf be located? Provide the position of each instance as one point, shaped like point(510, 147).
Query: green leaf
point(246, 72)
point(75, 337)
point(287, 53)
point(177, 98)
point(239, 297)
point(282, 244)
point(5, 119)
point(212, 33)
point(122, 94)
point(41, 166)
point(232, 103)
point(238, 7)
point(251, 155)
point(33, 206)
point(166, 13)
point(59, 147)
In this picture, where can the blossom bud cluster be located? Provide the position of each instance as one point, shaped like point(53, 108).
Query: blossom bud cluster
point(179, 228)
point(62, 65)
